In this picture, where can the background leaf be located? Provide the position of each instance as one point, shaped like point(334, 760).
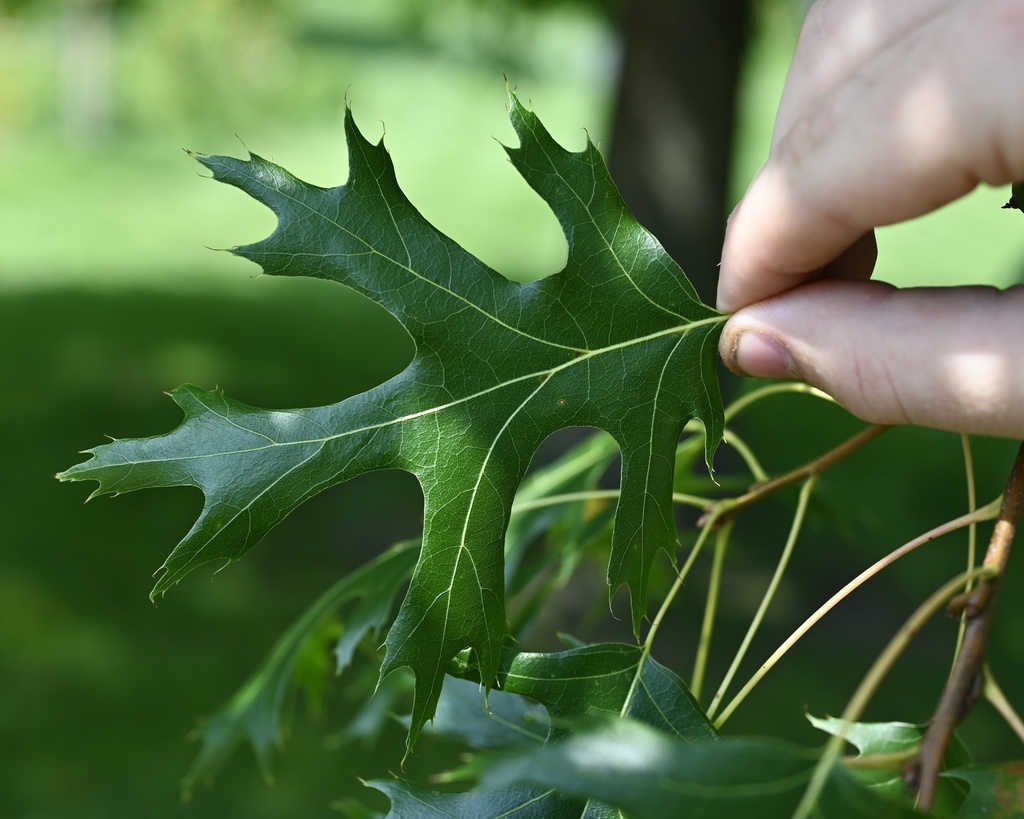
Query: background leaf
point(254, 712)
point(650, 775)
point(567, 529)
point(482, 719)
point(997, 791)
point(873, 738)
point(410, 801)
point(617, 340)
point(608, 677)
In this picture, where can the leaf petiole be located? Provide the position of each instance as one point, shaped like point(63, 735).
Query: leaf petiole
point(707, 626)
point(666, 603)
point(994, 694)
point(780, 569)
point(752, 397)
point(986, 512)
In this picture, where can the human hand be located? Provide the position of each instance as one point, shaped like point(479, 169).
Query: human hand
point(890, 110)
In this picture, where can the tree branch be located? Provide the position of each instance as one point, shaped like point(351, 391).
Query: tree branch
point(966, 681)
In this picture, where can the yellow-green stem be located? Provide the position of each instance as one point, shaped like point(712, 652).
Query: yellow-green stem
point(744, 401)
point(565, 497)
point(780, 569)
point(747, 454)
point(994, 694)
point(600, 494)
point(986, 512)
point(711, 604)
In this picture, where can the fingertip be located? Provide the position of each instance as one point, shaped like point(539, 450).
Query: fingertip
point(761, 355)
point(936, 357)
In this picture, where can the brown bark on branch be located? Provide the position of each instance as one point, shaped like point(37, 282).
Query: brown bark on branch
point(965, 683)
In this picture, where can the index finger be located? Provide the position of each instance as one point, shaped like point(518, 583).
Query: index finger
point(907, 133)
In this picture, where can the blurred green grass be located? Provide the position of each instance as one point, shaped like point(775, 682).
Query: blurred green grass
point(129, 210)
point(109, 295)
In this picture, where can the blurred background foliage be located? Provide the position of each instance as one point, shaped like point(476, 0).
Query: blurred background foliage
point(109, 295)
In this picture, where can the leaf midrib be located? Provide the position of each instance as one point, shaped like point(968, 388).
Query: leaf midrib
point(547, 373)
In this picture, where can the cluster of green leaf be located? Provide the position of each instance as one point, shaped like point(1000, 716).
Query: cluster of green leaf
point(618, 341)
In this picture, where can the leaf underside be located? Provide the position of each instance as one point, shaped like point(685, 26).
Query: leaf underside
point(617, 340)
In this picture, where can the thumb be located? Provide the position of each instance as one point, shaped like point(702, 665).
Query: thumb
point(951, 358)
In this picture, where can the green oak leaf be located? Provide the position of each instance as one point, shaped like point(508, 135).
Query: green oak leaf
point(614, 678)
point(617, 340)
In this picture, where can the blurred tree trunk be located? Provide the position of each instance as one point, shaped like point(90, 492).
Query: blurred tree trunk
point(86, 57)
point(672, 136)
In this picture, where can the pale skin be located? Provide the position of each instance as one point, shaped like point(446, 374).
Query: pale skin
point(892, 108)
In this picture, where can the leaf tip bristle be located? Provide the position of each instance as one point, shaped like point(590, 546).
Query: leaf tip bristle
point(242, 142)
point(198, 156)
point(590, 139)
